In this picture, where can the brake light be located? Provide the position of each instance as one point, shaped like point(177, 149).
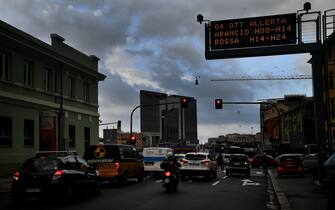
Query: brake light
point(58, 174)
point(206, 162)
point(16, 175)
point(183, 161)
point(117, 165)
point(167, 173)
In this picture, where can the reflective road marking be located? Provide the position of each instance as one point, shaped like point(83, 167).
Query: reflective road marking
point(158, 181)
point(215, 183)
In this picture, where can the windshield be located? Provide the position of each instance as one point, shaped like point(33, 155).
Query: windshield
point(331, 161)
point(238, 158)
point(195, 157)
point(40, 165)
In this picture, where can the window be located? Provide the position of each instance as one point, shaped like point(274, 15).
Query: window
point(87, 136)
point(5, 131)
point(83, 164)
point(86, 91)
point(71, 87)
point(4, 65)
point(28, 73)
point(72, 136)
point(47, 79)
point(28, 132)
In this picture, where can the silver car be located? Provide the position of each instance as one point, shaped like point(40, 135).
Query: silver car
point(198, 164)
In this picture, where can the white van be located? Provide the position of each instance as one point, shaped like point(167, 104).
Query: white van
point(153, 157)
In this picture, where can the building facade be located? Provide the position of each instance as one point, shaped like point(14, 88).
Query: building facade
point(175, 125)
point(48, 97)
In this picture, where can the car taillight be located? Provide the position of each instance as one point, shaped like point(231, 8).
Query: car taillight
point(167, 173)
point(58, 174)
point(16, 175)
point(116, 165)
point(183, 161)
point(206, 162)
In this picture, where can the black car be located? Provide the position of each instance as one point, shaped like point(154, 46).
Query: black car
point(58, 177)
point(238, 164)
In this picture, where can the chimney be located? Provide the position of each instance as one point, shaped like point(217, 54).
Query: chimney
point(56, 39)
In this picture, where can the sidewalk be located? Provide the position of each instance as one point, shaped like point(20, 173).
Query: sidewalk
point(296, 193)
point(5, 184)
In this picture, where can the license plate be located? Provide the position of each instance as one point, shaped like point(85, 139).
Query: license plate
point(194, 164)
point(149, 164)
point(236, 164)
point(33, 190)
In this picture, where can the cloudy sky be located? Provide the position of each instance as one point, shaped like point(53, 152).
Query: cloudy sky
point(157, 45)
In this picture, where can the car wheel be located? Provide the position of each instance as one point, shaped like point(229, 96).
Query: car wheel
point(18, 199)
point(97, 187)
point(68, 194)
point(123, 178)
point(302, 175)
point(247, 174)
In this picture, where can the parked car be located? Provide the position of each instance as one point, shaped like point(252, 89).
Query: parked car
point(256, 161)
point(198, 164)
point(58, 176)
point(238, 164)
point(310, 162)
point(290, 164)
point(116, 162)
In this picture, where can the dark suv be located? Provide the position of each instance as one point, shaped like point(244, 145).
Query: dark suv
point(59, 176)
point(238, 163)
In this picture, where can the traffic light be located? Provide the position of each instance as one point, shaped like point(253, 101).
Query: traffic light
point(132, 140)
point(218, 103)
point(184, 102)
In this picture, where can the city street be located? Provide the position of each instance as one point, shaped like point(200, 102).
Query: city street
point(227, 193)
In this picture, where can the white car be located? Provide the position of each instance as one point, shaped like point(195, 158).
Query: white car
point(198, 164)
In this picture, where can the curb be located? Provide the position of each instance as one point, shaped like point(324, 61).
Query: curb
point(281, 197)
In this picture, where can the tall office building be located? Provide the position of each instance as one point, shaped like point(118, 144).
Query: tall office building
point(168, 123)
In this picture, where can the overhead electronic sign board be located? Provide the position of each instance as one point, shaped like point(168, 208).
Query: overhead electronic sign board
point(253, 32)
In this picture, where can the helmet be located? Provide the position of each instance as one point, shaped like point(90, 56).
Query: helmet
point(170, 155)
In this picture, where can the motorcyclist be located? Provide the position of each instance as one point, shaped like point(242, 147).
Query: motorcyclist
point(170, 163)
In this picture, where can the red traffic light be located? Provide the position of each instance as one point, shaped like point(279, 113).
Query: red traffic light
point(218, 103)
point(184, 102)
point(133, 138)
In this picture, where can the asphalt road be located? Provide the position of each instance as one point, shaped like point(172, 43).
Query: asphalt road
point(229, 193)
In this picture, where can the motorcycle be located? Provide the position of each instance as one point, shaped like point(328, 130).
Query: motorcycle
point(170, 181)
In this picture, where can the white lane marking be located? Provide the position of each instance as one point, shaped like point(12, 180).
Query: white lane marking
point(215, 183)
point(225, 177)
point(189, 180)
point(259, 172)
point(158, 181)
